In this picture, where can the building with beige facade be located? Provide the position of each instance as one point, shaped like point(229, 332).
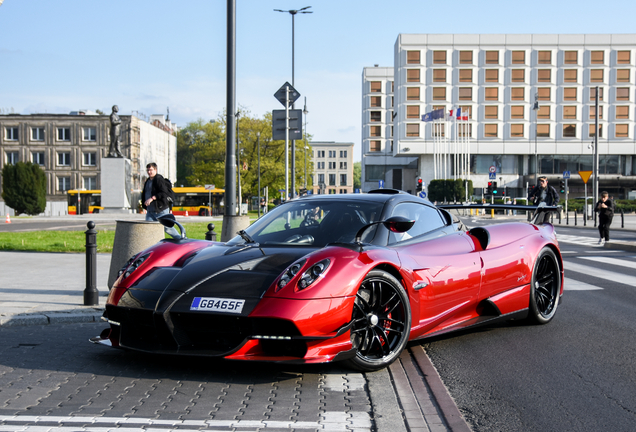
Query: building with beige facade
point(333, 167)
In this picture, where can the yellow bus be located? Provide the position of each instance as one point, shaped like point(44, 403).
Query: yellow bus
point(89, 201)
point(197, 201)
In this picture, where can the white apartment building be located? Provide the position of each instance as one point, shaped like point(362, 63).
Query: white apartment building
point(333, 167)
point(379, 164)
point(495, 79)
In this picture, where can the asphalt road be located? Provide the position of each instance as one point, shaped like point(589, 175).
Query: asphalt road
point(577, 373)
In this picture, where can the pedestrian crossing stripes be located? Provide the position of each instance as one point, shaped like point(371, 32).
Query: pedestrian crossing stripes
point(578, 240)
point(584, 265)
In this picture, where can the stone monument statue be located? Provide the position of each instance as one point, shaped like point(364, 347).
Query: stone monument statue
point(115, 131)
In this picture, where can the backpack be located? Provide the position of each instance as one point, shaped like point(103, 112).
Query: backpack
point(171, 197)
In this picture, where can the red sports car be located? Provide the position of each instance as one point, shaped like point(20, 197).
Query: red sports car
point(334, 278)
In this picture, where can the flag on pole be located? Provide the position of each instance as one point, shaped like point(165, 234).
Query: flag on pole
point(427, 117)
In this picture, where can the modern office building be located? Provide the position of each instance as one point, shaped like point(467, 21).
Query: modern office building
point(69, 147)
point(333, 167)
point(496, 80)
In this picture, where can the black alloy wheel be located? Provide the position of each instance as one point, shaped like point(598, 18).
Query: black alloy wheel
point(381, 321)
point(545, 288)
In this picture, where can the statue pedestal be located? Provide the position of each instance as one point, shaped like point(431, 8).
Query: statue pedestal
point(116, 184)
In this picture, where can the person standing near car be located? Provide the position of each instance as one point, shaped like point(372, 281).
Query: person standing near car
point(605, 209)
point(544, 193)
point(155, 199)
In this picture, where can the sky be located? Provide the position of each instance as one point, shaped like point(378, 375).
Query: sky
point(148, 56)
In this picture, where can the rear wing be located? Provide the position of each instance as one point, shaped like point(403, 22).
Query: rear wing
point(540, 215)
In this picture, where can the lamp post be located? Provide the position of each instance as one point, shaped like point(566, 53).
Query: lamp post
point(535, 108)
point(238, 162)
point(258, 137)
point(305, 112)
point(293, 13)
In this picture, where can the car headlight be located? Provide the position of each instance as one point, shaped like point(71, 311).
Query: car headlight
point(313, 273)
point(132, 265)
point(291, 271)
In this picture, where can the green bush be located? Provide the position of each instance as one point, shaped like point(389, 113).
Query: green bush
point(449, 190)
point(627, 206)
point(24, 188)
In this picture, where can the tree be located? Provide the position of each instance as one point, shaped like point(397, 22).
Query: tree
point(357, 175)
point(24, 188)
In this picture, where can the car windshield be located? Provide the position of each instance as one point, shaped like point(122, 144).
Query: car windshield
point(313, 223)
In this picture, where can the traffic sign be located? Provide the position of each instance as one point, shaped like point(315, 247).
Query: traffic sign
point(422, 194)
point(295, 124)
point(566, 174)
point(493, 169)
point(492, 176)
point(281, 94)
point(585, 175)
point(381, 183)
point(210, 187)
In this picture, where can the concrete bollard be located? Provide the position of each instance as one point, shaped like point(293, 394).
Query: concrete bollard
point(131, 237)
point(91, 294)
point(210, 235)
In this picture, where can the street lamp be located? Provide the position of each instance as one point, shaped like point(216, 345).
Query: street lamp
point(535, 108)
point(238, 162)
point(305, 112)
point(293, 13)
point(258, 137)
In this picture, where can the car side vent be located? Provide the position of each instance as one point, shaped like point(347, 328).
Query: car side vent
point(482, 235)
point(386, 191)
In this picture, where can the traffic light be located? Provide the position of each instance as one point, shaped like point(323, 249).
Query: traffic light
point(489, 189)
point(418, 184)
point(562, 186)
point(494, 188)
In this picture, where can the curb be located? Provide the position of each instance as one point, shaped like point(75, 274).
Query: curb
point(58, 317)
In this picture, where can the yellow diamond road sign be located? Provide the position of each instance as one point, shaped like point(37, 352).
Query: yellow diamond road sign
point(585, 175)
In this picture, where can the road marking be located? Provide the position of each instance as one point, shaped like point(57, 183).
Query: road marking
point(574, 285)
point(587, 270)
point(612, 261)
point(579, 240)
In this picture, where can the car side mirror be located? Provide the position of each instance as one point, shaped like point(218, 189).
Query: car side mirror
point(168, 220)
point(397, 224)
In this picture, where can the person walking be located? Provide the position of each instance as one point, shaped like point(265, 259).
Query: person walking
point(543, 193)
point(605, 209)
point(155, 198)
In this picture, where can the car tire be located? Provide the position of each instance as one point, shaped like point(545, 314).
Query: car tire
point(380, 322)
point(545, 288)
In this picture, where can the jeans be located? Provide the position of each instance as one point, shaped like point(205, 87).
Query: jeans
point(153, 215)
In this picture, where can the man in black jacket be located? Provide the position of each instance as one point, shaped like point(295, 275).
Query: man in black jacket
point(605, 209)
point(544, 193)
point(155, 198)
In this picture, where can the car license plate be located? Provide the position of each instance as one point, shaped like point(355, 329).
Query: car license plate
point(217, 304)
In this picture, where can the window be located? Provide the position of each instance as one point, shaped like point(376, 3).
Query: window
point(492, 57)
point(374, 146)
point(37, 158)
point(544, 93)
point(467, 111)
point(63, 134)
point(343, 179)
point(439, 57)
point(343, 153)
point(597, 57)
point(490, 131)
point(376, 101)
point(622, 94)
point(569, 112)
point(332, 180)
point(622, 112)
point(321, 165)
point(332, 153)
point(544, 112)
point(569, 75)
point(465, 75)
point(439, 93)
point(465, 130)
point(518, 75)
point(90, 133)
point(439, 75)
point(593, 112)
point(320, 153)
point(11, 133)
point(439, 130)
point(37, 134)
point(413, 57)
point(413, 111)
point(90, 183)
point(332, 165)
point(518, 57)
point(517, 93)
point(544, 57)
point(375, 116)
point(63, 184)
point(596, 75)
point(90, 159)
point(544, 75)
point(412, 130)
point(492, 75)
point(569, 131)
point(622, 75)
point(516, 112)
point(623, 57)
point(491, 93)
point(569, 94)
point(376, 131)
point(570, 57)
point(622, 131)
point(593, 94)
point(516, 130)
point(13, 157)
point(343, 165)
point(465, 93)
point(465, 57)
point(413, 75)
point(592, 131)
point(413, 93)
point(64, 158)
point(376, 86)
point(321, 179)
point(543, 130)
point(491, 112)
